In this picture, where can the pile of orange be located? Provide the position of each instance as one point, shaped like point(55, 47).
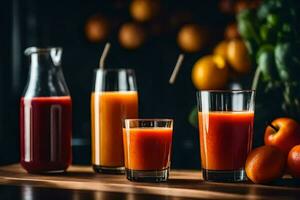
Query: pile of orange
point(280, 154)
point(229, 57)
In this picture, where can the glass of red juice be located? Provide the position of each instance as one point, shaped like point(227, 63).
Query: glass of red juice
point(147, 149)
point(225, 131)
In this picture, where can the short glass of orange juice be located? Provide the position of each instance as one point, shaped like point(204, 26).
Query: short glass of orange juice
point(114, 98)
point(147, 149)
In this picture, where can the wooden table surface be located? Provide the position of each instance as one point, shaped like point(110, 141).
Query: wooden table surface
point(80, 182)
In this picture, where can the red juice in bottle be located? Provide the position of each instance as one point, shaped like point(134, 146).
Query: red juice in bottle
point(46, 129)
point(45, 114)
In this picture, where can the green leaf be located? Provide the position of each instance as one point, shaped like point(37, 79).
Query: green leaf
point(273, 20)
point(252, 49)
point(248, 26)
point(267, 33)
point(193, 117)
point(266, 63)
point(267, 7)
point(286, 32)
point(287, 61)
point(291, 94)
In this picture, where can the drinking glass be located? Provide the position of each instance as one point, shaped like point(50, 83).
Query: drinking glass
point(147, 148)
point(113, 99)
point(225, 132)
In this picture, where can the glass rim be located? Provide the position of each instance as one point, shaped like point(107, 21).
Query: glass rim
point(150, 120)
point(227, 91)
point(114, 69)
point(34, 49)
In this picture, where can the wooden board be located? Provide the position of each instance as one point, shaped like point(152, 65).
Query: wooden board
point(181, 185)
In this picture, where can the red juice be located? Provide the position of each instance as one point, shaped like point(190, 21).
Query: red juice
point(46, 131)
point(225, 139)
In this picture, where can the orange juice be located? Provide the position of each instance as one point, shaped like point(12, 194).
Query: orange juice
point(147, 148)
point(108, 110)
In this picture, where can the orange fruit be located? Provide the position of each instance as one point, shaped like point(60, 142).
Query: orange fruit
point(131, 35)
point(293, 162)
point(238, 57)
point(143, 10)
point(231, 31)
point(192, 38)
point(97, 28)
point(210, 72)
point(221, 49)
point(241, 5)
point(226, 6)
point(255, 3)
point(265, 163)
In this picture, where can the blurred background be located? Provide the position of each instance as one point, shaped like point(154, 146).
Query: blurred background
point(146, 35)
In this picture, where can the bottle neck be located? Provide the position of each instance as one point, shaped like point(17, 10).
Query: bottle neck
point(42, 66)
point(41, 60)
point(45, 77)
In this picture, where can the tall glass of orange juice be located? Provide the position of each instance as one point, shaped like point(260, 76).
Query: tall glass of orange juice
point(114, 98)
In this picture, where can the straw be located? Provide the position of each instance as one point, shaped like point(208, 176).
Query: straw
point(104, 54)
point(176, 69)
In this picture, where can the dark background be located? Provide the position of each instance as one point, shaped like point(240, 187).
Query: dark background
point(27, 23)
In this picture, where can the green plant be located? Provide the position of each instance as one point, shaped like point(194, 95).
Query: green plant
point(271, 34)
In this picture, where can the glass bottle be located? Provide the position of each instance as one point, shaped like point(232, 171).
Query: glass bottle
point(45, 114)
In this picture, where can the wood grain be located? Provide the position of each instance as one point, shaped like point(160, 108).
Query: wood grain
point(182, 184)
